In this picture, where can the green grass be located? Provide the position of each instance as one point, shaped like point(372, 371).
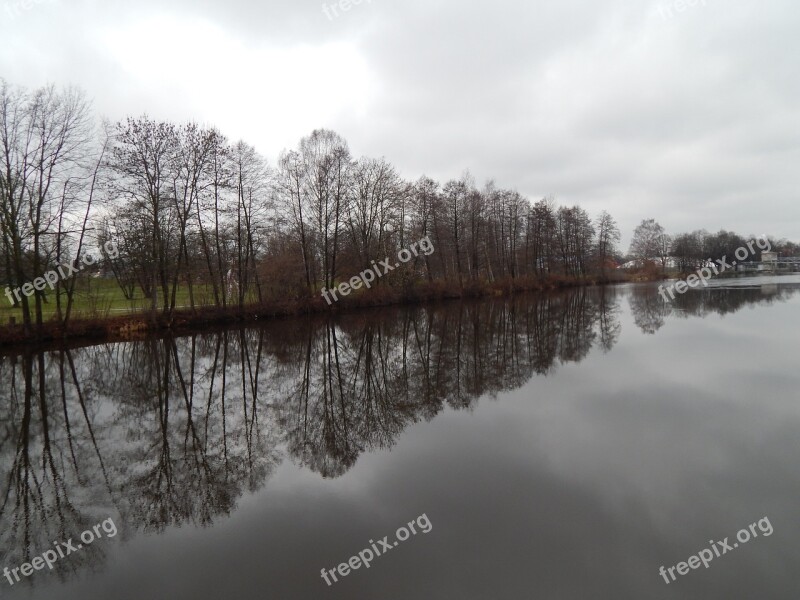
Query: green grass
point(98, 298)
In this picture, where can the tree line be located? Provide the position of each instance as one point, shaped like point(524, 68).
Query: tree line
point(693, 250)
point(200, 220)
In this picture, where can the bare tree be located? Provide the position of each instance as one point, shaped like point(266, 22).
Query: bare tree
point(253, 205)
point(293, 205)
point(376, 196)
point(327, 167)
point(650, 242)
point(608, 237)
point(143, 158)
point(44, 137)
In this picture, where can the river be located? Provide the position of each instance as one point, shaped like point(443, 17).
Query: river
point(560, 445)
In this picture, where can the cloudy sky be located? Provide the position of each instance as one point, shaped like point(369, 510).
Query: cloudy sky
point(687, 112)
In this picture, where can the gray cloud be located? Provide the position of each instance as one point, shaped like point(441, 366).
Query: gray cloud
point(692, 119)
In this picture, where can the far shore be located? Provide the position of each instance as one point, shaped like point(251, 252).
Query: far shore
point(137, 325)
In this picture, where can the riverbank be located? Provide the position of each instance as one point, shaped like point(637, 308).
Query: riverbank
point(142, 324)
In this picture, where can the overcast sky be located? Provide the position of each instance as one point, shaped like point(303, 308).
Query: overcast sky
point(687, 114)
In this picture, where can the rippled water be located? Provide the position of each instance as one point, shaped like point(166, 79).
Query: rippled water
point(560, 446)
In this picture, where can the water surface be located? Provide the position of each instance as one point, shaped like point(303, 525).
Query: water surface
point(565, 445)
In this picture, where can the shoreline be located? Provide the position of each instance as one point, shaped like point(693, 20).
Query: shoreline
point(144, 324)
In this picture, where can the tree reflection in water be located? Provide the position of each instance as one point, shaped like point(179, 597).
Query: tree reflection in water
point(174, 431)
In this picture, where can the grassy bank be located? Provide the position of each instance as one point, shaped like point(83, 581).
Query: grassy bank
point(101, 312)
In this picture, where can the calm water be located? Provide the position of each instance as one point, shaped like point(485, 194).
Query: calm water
point(560, 446)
